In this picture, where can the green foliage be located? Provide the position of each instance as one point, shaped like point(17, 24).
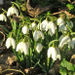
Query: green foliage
point(70, 6)
point(66, 67)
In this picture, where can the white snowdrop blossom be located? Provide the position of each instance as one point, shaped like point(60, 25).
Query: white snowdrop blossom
point(63, 41)
point(62, 28)
point(72, 43)
point(3, 17)
point(52, 28)
point(10, 42)
point(42, 26)
point(37, 35)
point(23, 47)
point(12, 10)
point(25, 30)
point(60, 21)
point(39, 47)
point(33, 25)
point(61, 24)
point(53, 53)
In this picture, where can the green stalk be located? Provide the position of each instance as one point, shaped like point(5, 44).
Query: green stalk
point(48, 64)
point(52, 42)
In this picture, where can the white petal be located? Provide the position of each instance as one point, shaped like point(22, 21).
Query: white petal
point(39, 47)
point(3, 17)
point(60, 21)
point(42, 26)
point(65, 40)
point(12, 10)
point(52, 28)
point(25, 30)
point(58, 54)
point(72, 43)
point(13, 43)
point(8, 43)
point(23, 47)
point(49, 52)
point(37, 35)
point(54, 54)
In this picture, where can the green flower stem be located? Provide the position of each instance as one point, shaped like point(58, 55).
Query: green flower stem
point(30, 56)
point(27, 62)
point(52, 42)
point(4, 11)
point(57, 34)
point(12, 70)
point(34, 19)
point(69, 28)
point(48, 64)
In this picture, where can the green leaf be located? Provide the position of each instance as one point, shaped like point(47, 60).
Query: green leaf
point(70, 6)
point(67, 65)
point(63, 71)
point(4, 28)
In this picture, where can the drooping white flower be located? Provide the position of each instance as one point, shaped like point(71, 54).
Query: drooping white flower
point(72, 43)
point(25, 30)
point(60, 21)
point(62, 28)
point(3, 17)
point(52, 28)
point(10, 42)
point(12, 10)
point(61, 24)
point(23, 47)
point(37, 35)
point(63, 41)
point(39, 47)
point(33, 25)
point(42, 26)
point(53, 53)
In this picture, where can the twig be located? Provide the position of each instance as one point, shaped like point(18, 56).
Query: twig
point(34, 12)
point(3, 37)
point(12, 70)
point(64, 11)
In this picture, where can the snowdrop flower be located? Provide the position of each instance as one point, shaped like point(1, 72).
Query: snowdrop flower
point(62, 28)
point(52, 28)
point(37, 35)
point(10, 42)
point(61, 24)
point(12, 10)
point(72, 43)
point(53, 53)
point(60, 21)
point(3, 17)
point(33, 25)
point(23, 47)
point(39, 47)
point(63, 41)
point(25, 30)
point(42, 26)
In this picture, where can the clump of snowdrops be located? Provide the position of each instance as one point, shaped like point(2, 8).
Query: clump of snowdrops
point(38, 42)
